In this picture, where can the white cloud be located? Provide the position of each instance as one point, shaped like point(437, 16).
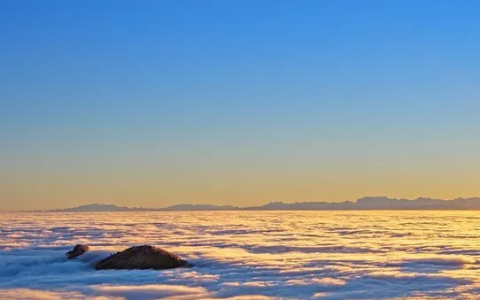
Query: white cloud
point(246, 255)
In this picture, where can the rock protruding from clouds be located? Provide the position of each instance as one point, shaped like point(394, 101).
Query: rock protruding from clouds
point(77, 251)
point(141, 257)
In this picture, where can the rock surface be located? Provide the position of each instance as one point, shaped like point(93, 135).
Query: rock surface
point(141, 257)
point(77, 251)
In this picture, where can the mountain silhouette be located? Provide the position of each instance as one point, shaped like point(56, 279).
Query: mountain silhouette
point(365, 203)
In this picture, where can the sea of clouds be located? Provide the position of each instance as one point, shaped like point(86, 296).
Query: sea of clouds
point(246, 255)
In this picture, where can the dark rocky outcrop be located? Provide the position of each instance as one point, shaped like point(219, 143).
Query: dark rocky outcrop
point(77, 251)
point(141, 257)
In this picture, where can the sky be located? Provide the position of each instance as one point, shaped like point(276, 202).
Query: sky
point(155, 103)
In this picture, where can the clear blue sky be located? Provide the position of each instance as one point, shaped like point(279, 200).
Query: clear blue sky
point(237, 102)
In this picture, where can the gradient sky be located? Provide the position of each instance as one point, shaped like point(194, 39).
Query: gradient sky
point(153, 103)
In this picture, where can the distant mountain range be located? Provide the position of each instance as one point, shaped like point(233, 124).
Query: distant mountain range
point(365, 203)
point(111, 208)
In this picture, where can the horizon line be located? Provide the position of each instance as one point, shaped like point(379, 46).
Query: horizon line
point(234, 207)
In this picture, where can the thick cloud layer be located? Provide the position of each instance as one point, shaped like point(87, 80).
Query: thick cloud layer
point(246, 255)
